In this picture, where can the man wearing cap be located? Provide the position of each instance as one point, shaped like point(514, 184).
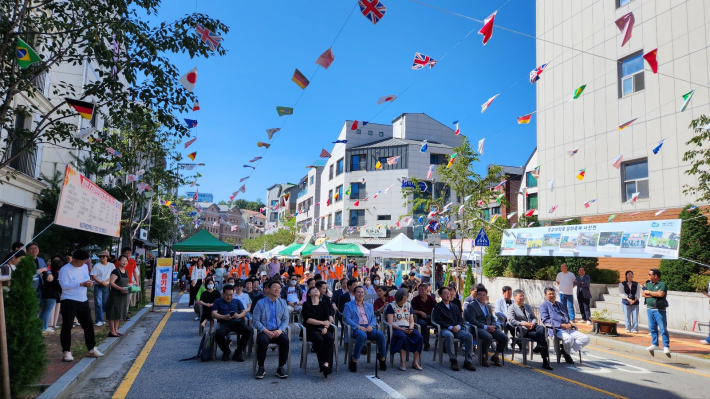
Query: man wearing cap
point(100, 275)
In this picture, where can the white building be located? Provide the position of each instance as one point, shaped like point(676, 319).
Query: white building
point(307, 199)
point(529, 182)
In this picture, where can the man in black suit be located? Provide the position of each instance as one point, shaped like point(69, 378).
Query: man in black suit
point(481, 315)
point(338, 293)
point(448, 316)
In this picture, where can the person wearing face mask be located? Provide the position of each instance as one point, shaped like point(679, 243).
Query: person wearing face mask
point(206, 300)
point(369, 289)
point(376, 281)
point(293, 294)
point(230, 315)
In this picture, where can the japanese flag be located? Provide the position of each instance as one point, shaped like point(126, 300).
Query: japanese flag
point(189, 79)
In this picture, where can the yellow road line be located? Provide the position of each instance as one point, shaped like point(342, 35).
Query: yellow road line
point(649, 361)
point(127, 382)
point(568, 380)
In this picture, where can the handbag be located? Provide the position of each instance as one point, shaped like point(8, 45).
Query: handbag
point(660, 303)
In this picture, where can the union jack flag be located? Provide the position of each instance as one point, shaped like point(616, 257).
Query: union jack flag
point(212, 39)
point(535, 73)
point(373, 10)
point(422, 60)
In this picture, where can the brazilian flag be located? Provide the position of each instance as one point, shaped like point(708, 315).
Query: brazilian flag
point(25, 55)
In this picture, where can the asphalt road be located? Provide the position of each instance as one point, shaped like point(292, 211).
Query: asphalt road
point(603, 373)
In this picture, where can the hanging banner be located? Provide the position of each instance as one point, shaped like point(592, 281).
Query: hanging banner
point(85, 206)
point(163, 282)
point(649, 239)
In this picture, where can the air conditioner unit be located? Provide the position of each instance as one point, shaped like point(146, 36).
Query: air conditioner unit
point(143, 234)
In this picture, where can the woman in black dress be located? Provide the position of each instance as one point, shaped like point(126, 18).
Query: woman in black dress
point(316, 317)
point(117, 303)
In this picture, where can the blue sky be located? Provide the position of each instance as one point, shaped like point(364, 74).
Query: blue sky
point(239, 92)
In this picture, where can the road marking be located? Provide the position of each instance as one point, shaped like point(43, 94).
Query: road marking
point(383, 386)
point(617, 364)
point(127, 382)
point(648, 361)
point(184, 299)
point(568, 380)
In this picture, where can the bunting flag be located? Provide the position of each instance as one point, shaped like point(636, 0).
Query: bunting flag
point(206, 36)
point(650, 57)
point(271, 132)
point(686, 100)
point(324, 153)
point(625, 125)
point(578, 92)
point(373, 10)
point(326, 58)
point(363, 180)
point(659, 212)
point(500, 197)
point(354, 125)
point(581, 173)
point(457, 131)
point(658, 147)
point(243, 188)
point(190, 123)
point(590, 202)
point(85, 134)
point(388, 188)
point(430, 172)
point(552, 209)
point(190, 142)
point(692, 208)
point(255, 159)
point(248, 166)
point(192, 155)
point(118, 166)
point(132, 178)
point(451, 160)
point(424, 147)
point(525, 192)
point(617, 162)
point(421, 60)
point(530, 213)
point(327, 202)
point(611, 217)
point(635, 197)
point(385, 99)
point(494, 218)
point(536, 172)
point(487, 29)
point(85, 109)
point(347, 190)
point(24, 54)
point(262, 144)
point(535, 73)
point(196, 106)
point(525, 119)
point(551, 185)
point(378, 165)
point(340, 142)
point(513, 226)
point(190, 166)
point(284, 111)
point(500, 185)
point(392, 160)
point(461, 210)
point(189, 79)
point(234, 228)
point(626, 25)
point(194, 197)
point(574, 152)
point(488, 103)
point(300, 79)
point(481, 144)
point(510, 215)
point(357, 203)
point(193, 183)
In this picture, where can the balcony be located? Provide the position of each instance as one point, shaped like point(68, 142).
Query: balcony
point(26, 161)
point(302, 193)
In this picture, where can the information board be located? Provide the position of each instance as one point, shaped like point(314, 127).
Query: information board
point(163, 282)
point(85, 206)
point(646, 239)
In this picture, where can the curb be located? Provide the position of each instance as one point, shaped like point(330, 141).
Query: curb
point(63, 386)
point(641, 351)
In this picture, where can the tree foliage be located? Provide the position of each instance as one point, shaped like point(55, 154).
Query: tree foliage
point(269, 241)
point(699, 156)
point(694, 246)
point(493, 263)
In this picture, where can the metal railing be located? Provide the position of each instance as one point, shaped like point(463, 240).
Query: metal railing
point(26, 162)
point(39, 82)
point(302, 193)
point(362, 194)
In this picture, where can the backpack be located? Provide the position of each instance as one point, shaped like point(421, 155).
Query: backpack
point(204, 352)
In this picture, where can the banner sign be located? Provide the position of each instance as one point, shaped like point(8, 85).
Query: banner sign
point(658, 239)
point(163, 282)
point(373, 232)
point(85, 206)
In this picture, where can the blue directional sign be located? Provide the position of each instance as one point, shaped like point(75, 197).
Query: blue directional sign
point(482, 239)
point(422, 186)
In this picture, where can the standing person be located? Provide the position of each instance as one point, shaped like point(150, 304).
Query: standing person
point(316, 318)
point(274, 267)
point(132, 277)
point(438, 275)
point(56, 264)
point(230, 315)
point(219, 273)
point(74, 279)
point(117, 296)
point(196, 277)
point(33, 249)
point(566, 280)
point(271, 321)
point(51, 291)
point(656, 303)
point(101, 274)
point(629, 290)
point(425, 271)
point(375, 274)
point(584, 295)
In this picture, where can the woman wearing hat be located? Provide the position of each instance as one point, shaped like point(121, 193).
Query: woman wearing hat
point(100, 275)
point(117, 298)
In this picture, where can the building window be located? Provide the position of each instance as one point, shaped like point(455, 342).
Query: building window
point(330, 196)
point(620, 3)
point(357, 191)
point(330, 220)
point(369, 132)
point(338, 219)
point(635, 178)
point(358, 131)
point(313, 179)
point(339, 190)
point(358, 162)
point(357, 218)
point(382, 134)
point(11, 222)
point(532, 201)
point(631, 75)
point(330, 175)
point(495, 210)
point(322, 224)
point(384, 217)
point(339, 167)
point(383, 161)
point(530, 180)
point(437, 159)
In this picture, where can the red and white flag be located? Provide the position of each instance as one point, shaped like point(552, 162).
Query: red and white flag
point(431, 171)
point(190, 142)
point(189, 79)
point(326, 58)
point(626, 25)
point(488, 103)
point(530, 212)
point(487, 29)
point(617, 161)
point(635, 197)
point(384, 99)
point(324, 153)
point(243, 188)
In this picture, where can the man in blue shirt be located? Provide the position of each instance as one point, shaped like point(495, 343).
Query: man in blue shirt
point(271, 321)
point(230, 314)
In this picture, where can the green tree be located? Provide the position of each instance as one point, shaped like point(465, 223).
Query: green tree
point(694, 241)
point(493, 263)
point(25, 345)
point(269, 241)
point(699, 156)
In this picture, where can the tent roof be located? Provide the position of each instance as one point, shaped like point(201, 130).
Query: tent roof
point(402, 247)
point(203, 241)
point(307, 247)
point(328, 248)
point(441, 253)
point(288, 251)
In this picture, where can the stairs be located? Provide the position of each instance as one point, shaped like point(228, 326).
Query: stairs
point(611, 302)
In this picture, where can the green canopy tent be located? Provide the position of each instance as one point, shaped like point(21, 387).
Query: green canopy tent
point(307, 247)
point(288, 251)
point(331, 249)
point(203, 242)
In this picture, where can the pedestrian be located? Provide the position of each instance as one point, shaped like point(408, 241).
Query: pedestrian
point(101, 274)
point(706, 341)
point(51, 291)
point(438, 276)
point(425, 271)
point(132, 277)
point(33, 249)
point(629, 290)
point(196, 277)
point(584, 295)
point(118, 296)
point(11, 261)
point(56, 264)
point(656, 303)
point(74, 280)
point(566, 281)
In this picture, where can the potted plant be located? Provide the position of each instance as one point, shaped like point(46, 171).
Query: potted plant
point(603, 323)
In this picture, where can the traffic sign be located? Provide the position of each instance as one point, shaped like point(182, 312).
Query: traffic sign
point(482, 239)
point(433, 226)
point(434, 240)
point(422, 186)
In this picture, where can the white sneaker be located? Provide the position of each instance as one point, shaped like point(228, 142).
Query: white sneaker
point(99, 323)
point(589, 322)
point(94, 353)
point(68, 357)
point(704, 342)
point(653, 348)
point(49, 330)
point(667, 351)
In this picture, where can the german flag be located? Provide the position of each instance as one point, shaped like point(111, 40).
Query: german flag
point(84, 108)
point(299, 79)
point(524, 119)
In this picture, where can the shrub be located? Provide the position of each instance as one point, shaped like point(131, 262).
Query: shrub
point(470, 278)
point(508, 273)
point(25, 345)
point(699, 282)
point(493, 263)
point(547, 273)
point(605, 276)
point(693, 245)
point(526, 266)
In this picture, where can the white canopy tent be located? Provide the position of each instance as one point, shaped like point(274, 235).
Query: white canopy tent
point(268, 254)
point(239, 252)
point(442, 253)
point(404, 247)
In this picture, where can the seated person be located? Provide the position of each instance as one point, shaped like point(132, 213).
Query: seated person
point(309, 284)
point(270, 321)
point(383, 299)
point(481, 315)
point(422, 305)
point(206, 299)
point(455, 297)
point(360, 316)
point(405, 338)
point(520, 314)
point(242, 296)
point(448, 317)
point(323, 289)
point(316, 319)
point(292, 294)
point(553, 313)
point(471, 297)
point(501, 309)
point(230, 314)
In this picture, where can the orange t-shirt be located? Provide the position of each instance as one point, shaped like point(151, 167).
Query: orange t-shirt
point(243, 269)
point(298, 270)
point(339, 271)
point(355, 271)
